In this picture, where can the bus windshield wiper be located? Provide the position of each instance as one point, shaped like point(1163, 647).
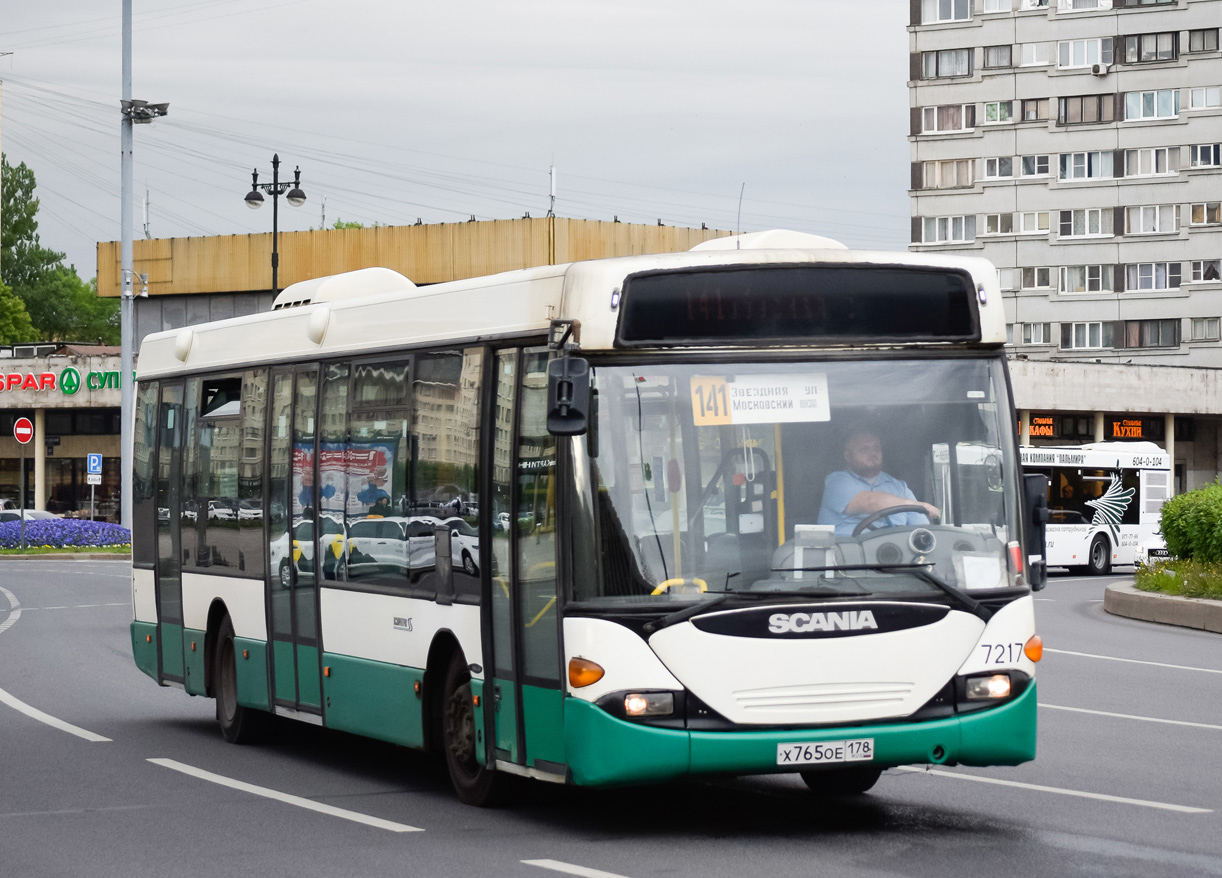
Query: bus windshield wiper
point(921, 571)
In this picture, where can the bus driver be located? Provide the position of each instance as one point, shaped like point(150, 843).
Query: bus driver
point(851, 494)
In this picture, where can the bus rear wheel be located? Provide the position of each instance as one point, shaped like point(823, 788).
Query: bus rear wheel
point(239, 725)
point(1099, 561)
point(842, 781)
point(473, 783)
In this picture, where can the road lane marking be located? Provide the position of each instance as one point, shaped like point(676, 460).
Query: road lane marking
point(1164, 806)
point(14, 611)
point(34, 713)
point(1148, 719)
point(1112, 658)
point(308, 804)
point(570, 869)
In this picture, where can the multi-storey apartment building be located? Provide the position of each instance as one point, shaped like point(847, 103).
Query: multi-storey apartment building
point(1076, 145)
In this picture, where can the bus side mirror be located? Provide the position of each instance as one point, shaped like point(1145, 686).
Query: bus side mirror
point(1035, 508)
point(568, 396)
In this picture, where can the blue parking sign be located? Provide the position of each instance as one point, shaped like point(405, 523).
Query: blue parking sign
point(93, 464)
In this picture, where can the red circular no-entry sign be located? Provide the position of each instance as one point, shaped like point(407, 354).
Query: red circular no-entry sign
point(23, 430)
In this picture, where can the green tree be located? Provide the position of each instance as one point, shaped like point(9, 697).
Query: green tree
point(15, 325)
point(59, 305)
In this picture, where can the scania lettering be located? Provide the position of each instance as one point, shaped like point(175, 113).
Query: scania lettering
point(564, 523)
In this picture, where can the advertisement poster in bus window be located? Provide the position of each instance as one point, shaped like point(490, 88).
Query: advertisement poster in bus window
point(352, 478)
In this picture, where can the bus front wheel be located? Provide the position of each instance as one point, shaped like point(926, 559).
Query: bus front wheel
point(842, 781)
point(474, 784)
point(239, 725)
point(1099, 561)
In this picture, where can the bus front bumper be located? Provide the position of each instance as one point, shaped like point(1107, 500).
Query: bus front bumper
point(603, 750)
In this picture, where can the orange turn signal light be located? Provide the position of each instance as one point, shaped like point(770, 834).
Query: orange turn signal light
point(1034, 649)
point(475, 700)
point(326, 671)
point(583, 672)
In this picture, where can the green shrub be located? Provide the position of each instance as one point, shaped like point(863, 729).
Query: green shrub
point(1190, 579)
point(1192, 525)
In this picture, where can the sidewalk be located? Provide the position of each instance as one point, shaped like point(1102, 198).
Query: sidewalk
point(1122, 599)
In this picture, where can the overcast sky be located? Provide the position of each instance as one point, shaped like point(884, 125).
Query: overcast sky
point(398, 109)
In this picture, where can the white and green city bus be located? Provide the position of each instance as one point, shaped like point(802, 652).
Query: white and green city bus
point(1105, 502)
point(565, 522)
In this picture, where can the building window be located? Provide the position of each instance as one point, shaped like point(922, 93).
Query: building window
point(1206, 270)
point(1203, 40)
point(1034, 109)
point(1204, 328)
point(933, 11)
point(1205, 155)
point(1161, 104)
point(1008, 278)
point(948, 229)
point(1084, 53)
point(1084, 109)
point(1150, 334)
point(1086, 279)
point(997, 5)
point(954, 174)
point(1145, 48)
point(1086, 336)
point(1037, 278)
point(999, 168)
point(1076, 5)
point(998, 111)
point(1036, 53)
point(1146, 162)
point(951, 62)
point(1034, 165)
point(1152, 219)
point(999, 224)
point(948, 117)
point(1035, 4)
point(1009, 333)
point(1085, 165)
point(1034, 222)
point(1037, 333)
point(997, 56)
point(1203, 98)
point(1088, 221)
point(1153, 276)
point(1208, 213)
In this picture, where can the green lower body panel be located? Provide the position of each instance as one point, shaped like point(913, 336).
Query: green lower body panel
point(250, 659)
point(144, 647)
point(505, 709)
point(477, 692)
point(374, 699)
point(543, 710)
point(171, 650)
point(285, 669)
point(193, 656)
point(309, 686)
point(603, 750)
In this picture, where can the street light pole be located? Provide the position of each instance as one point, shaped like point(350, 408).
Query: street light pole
point(293, 195)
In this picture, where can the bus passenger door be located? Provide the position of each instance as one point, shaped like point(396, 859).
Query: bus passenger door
point(169, 531)
point(527, 698)
point(293, 544)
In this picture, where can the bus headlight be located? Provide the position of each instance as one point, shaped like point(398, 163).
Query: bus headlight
point(988, 688)
point(649, 703)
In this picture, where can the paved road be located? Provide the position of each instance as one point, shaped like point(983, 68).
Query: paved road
point(1128, 780)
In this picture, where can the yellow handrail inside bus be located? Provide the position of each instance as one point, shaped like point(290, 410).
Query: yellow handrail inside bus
point(681, 580)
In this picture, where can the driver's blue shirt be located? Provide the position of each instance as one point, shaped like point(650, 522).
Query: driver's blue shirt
point(842, 486)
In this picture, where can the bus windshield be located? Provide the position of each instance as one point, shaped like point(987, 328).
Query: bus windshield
point(830, 478)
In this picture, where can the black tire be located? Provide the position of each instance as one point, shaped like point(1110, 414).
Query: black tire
point(468, 563)
point(239, 725)
point(474, 784)
point(842, 781)
point(286, 575)
point(1099, 559)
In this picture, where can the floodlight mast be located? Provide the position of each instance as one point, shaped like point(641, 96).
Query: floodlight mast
point(141, 112)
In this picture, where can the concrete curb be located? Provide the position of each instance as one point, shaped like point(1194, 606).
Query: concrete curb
point(1149, 606)
point(69, 556)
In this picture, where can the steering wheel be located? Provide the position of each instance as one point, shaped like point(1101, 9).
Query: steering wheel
point(883, 513)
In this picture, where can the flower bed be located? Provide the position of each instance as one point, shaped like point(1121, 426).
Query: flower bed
point(64, 533)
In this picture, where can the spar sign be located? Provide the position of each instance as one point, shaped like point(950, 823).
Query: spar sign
point(68, 382)
point(23, 430)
